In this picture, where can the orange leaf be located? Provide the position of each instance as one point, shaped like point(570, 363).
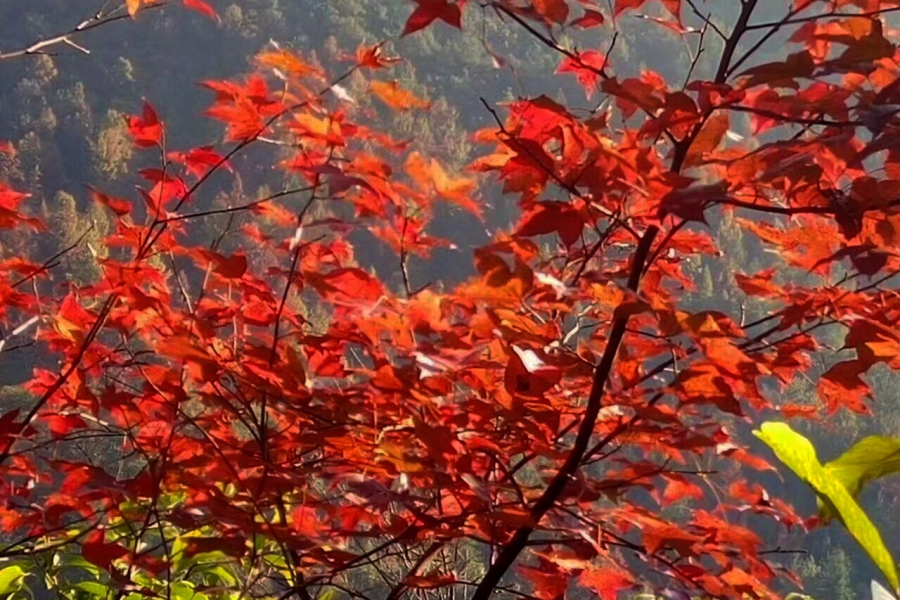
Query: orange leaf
point(182, 348)
point(396, 97)
point(72, 320)
point(372, 57)
point(708, 139)
point(428, 175)
point(287, 62)
point(606, 582)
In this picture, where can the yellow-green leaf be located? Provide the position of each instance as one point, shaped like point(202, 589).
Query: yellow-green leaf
point(11, 579)
point(867, 460)
point(799, 455)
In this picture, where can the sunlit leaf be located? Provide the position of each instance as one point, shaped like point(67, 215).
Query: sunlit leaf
point(869, 459)
point(798, 454)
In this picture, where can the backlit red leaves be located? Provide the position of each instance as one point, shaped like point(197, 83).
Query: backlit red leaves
point(10, 216)
point(606, 582)
point(550, 217)
point(809, 244)
point(691, 203)
point(760, 284)
point(243, 107)
point(659, 535)
point(62, 425)
point(500, 281)
point(430, 582)
point(324, 129)
point(706, 384)
point(587, 68)
point(99, 552)
point(347, 285)
point(229, 267)
point(72, 321)
point(203, 366)
point(842, 385)
point(781, 73)
point(372, 57)
point(428, 11)
point(636, 94)
point(166, 189)
point(251, 343)
point(709, 138)
point(527, 375)
point(200, 161)
point(119, 206)
point(146, 129)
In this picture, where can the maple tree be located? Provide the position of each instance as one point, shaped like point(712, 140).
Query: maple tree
point(287, 424)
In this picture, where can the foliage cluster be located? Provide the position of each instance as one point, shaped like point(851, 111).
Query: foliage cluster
point(230, 399)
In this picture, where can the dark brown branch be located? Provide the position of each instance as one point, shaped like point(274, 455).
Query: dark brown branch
point(696, 57)
point(234, 209)
point(683, 147)
point(553, 45)
point(554, 490)
point(571, 55)
point(19, 427)
point(707, 20)
point(154, 234)
point(734, 39)
point(788, 118)
point(53, 260)
point(404, 258)
point(775, 28)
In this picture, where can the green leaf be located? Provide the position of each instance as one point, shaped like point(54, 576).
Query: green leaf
point(222, 574)
point(76, 561)
point(93, 588)
point(183, 590)
point(798, 454)
point(867, 460)
point(11, 579)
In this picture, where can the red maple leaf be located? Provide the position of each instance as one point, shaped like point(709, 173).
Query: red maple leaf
point(428, 11)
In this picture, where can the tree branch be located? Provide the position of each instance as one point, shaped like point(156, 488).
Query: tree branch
point(828, 15)
point(554, 490)
point(39, 47)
